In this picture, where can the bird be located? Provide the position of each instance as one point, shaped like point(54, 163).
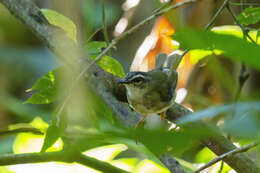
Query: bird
point(152, 92)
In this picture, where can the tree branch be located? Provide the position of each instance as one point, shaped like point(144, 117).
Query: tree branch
point(12, 159)
point(21, 130)
point(106, 85)
point(228, 154)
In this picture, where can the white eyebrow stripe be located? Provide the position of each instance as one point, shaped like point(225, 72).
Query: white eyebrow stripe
point(137, 76)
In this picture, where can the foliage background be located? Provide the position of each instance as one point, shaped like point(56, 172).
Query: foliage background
point(211, 81)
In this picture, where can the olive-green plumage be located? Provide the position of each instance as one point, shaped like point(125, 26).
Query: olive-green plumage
point(151, 92)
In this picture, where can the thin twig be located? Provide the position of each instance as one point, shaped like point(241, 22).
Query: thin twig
point(93, 34)
point(163, 6)
point(104, 22)
point(244, 3)
point(21, 130)
point(243, 75)
point(244, 29)
point(221, 166)
point(223, 156)
point(221, 8)
point(242, 78)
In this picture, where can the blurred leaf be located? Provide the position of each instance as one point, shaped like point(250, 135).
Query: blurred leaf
point(24, 113)
point(250, 15)
point(46, 90)
point(244, 125)
point(61, 21)
point(26, 142)
point(140, 148)
point(160, 141)
point(240, 108)
point(150, 166)
point(222, 74)
point(231, 46)
point(106, 153)
point(95, 47)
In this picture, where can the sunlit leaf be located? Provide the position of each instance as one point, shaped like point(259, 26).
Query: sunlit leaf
point(197, 54)
point(250, 15)
point(204, 156)
point(26, 142)
point(232, 47)
point(52, 135)
point(151, 167)
point(228, 30)
point(61, 21)
point(127, 164)
point(46, 90)
point(106, 153)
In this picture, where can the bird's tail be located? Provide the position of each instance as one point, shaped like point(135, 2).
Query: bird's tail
point(170, 62)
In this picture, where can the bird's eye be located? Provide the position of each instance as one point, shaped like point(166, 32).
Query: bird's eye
point(138, 80)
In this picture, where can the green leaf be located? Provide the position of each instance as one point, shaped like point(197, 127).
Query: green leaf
point(46, 90)
point(27, 142)
point(52, 135)
point(232, 47)
point(110, 65)
point(250, 15)
point(95, 47)
point(204, 156)
point(107, 63)
point(197, 54)
point(61, 21)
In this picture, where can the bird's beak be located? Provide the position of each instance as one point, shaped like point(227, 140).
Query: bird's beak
point(123, 81)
